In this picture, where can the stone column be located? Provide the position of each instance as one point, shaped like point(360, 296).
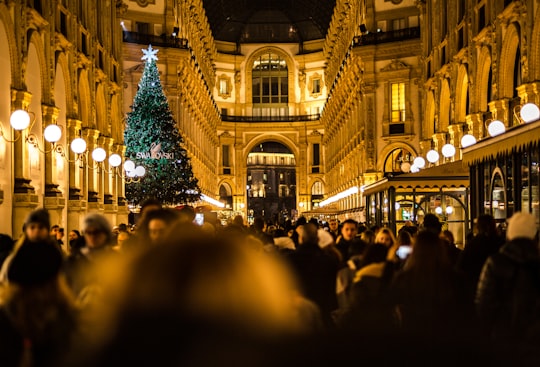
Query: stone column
point(93, 184)
point(54, 200)
point(475, 124)
point(24, 195)
point(456, 132)
point(77, 178)
point(530, 92)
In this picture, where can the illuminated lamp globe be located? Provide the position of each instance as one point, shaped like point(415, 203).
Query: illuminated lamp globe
point(140, 171)
point(99, 154)
point(397, 206)
point(405, 167)
point(432, 156)
point(131, 173)
point(52, 133)
point(419, 162)
point(129, 166)
point(115, 160)
point(529, 112)
point(414, 168)
point(496, 128)
point(448, 150)
point(78, 146)
point(19, 120)
point(449, 209)
point(438, 210)
point(467, 140)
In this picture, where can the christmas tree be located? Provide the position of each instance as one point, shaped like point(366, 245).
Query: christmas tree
point(153, 141)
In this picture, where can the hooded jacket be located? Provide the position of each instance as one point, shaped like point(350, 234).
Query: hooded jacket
point(508, 294)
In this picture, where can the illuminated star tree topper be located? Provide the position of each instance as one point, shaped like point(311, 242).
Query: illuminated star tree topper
point(149, 54)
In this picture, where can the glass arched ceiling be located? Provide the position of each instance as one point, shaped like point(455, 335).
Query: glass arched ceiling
point(269, 21)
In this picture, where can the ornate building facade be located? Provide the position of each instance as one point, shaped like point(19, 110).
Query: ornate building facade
point(354, 89)
point(60, 62)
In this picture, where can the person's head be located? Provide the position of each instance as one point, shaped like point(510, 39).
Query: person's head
point(428, 255)
point(122, 237)
point(448, 236)
point(186, 214)
point(54, 231)
point(522, 225)
point(35, 264)
point(159, 221)
point(333, 225)
point(205, 281)
point(432, 223)
point(375, 253)
point(308, 234)
point(97, 231)
point(36, 226)
point(349, 229)
point(74, 235)
point(368, 236)
point(149, 205)
point(385, 237)
point(485, 225)
point(238, 221)
point(404, 238)
point(258, 224)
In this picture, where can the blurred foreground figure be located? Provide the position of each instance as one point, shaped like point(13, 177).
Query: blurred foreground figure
point(38, 317)
point(200, 301)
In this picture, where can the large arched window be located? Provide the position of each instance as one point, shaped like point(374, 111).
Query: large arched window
point(270, 85)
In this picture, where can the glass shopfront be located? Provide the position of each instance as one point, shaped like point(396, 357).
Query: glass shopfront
point(441, 190)
point(504, 173)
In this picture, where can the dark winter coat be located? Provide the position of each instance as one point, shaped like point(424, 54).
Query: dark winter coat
point(475, 254)
point(316, 273)
point(508, 294)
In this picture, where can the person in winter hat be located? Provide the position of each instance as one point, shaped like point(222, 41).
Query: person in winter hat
point(512, 315)
point(521, 225)
point(37, 224)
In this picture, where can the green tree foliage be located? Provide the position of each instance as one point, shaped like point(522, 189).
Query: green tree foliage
point(153, 141)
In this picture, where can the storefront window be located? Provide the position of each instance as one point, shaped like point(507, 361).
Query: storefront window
point(498, 197)
point(534, 182)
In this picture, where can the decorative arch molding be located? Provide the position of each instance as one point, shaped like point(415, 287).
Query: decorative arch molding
point(249, 72)
point(484, 67)
point(16, 66)
point(510, 45)
point(389, 149)
point(116, 120)
point(101, 111)
point(259, 139)
point(62, 63)
point(316, 181)
point(444, 106)
point(462, 89)
point(534, 64)
point(46, 87)
point(429, 117)
point(85, 112)
point(227, 183)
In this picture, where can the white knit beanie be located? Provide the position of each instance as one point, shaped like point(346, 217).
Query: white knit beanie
point(521, 225)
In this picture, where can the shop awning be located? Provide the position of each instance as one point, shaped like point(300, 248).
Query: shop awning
point(454, 174)
point(513, 140)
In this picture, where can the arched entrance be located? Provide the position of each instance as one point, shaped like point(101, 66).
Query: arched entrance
point(271, 182)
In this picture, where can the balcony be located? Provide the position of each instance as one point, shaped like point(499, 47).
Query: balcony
point(297, 118)
point(159, 41)
point(385, 37)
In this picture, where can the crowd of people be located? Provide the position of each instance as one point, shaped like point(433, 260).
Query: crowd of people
point(171, 292)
